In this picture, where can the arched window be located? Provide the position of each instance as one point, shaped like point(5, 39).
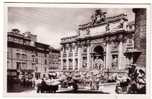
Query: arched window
point(17, 55)
point(99, 51)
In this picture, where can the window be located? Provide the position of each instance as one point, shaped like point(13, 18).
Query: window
point(64, 49)
point(85, 49)
point(15, 39)
point(17, 55)
point(36, 53)
point(84, 62)
point(18, 66)
point(36, 68)
point(24, 56)
point(114, 61)
point(10, 38)
point(27, 42)
point(45, 69)
point(7, 54)
point(33, 58)
point(70, 48)
point(45, 62)
point(24, 66)
point(36, 60)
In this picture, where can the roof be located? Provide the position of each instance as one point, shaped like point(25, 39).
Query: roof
point(70, 37)
point(42, 45)
point(18, 35)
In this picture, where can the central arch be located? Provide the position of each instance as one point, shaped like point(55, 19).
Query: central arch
point(99, 52)
point(98, 57)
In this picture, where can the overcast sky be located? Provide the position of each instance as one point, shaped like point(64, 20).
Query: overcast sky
point(51, 24)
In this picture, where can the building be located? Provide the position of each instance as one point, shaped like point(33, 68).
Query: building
point(140, 36)
point(103, 44)
point(41, 59)
point(26, 56)
point(54, 59)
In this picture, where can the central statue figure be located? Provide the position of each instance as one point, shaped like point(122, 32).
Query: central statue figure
point(98, 16)
point(98, 63)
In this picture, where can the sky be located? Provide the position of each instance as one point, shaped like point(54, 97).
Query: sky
point(52, 24)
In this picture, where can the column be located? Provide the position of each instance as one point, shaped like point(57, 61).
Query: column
point(67, 58)
point(104, 61)
point(91, 67)
point(61, 53)
point(88, 57)
point(108, 56)
point(79, 58)
point(121, 57)
point(73, 57)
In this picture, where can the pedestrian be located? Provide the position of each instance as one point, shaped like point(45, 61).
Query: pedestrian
point(54, 84)
point(43, 86)
point(49, 86)
point(38, 85)
point(75, 86)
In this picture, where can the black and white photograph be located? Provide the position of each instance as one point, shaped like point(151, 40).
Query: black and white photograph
point(82, 49)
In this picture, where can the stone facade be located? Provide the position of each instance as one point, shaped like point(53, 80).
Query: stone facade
point(26, 56)
point(101, 44)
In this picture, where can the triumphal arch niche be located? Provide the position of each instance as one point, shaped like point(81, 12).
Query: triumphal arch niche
point(103, 44)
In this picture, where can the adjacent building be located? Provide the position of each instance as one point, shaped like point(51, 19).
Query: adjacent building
point(26, 56)
point(54, 60)
point(103, 44)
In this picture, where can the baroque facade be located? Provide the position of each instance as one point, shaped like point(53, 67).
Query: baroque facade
point(104, 44)
point(26, 56)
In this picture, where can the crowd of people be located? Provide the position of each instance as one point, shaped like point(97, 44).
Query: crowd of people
point(131, 83)
point(66, 80)
point(47, 85)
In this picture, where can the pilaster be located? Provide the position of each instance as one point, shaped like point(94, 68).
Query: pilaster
point(88, 57)
point(79, 57)
point(108, 56)
point(61, 53)
point(73, 55)
point(120, 56)
point(67, 57)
